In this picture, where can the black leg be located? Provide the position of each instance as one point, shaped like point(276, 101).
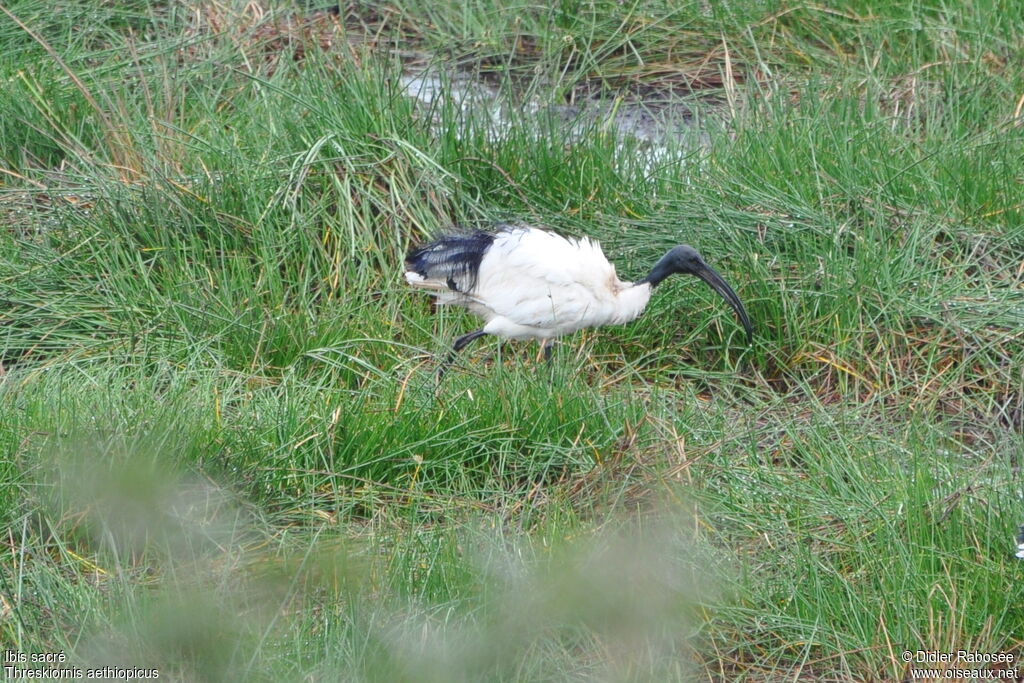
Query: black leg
point(459, 344)
point(548, 344)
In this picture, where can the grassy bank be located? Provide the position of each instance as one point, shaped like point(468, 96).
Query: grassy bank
point(222, 443)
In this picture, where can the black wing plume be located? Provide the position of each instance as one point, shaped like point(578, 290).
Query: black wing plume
point(453, 259)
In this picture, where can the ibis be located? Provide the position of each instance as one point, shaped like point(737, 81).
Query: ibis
point(529, 283)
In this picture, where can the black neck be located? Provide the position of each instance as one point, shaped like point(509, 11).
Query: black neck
point(661, 270)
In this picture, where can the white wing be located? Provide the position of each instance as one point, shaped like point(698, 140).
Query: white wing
point(538, 279)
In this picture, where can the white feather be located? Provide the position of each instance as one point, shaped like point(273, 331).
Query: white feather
point(535, 284)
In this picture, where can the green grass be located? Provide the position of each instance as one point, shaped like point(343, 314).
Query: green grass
point(223, 451)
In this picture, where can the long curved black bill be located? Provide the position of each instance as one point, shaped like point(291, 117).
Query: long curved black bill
point(711, 276)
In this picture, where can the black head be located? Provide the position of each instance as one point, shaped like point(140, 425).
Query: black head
point(685, 260)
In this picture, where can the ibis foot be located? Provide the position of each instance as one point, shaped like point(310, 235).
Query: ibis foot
point(459, 344)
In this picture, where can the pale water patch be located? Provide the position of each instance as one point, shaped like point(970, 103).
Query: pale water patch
point(663, 128)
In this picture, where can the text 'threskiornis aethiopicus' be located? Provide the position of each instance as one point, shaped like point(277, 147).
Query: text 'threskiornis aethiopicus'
point(528, 283)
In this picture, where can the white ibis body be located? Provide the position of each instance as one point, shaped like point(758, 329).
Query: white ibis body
point(528, 283)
